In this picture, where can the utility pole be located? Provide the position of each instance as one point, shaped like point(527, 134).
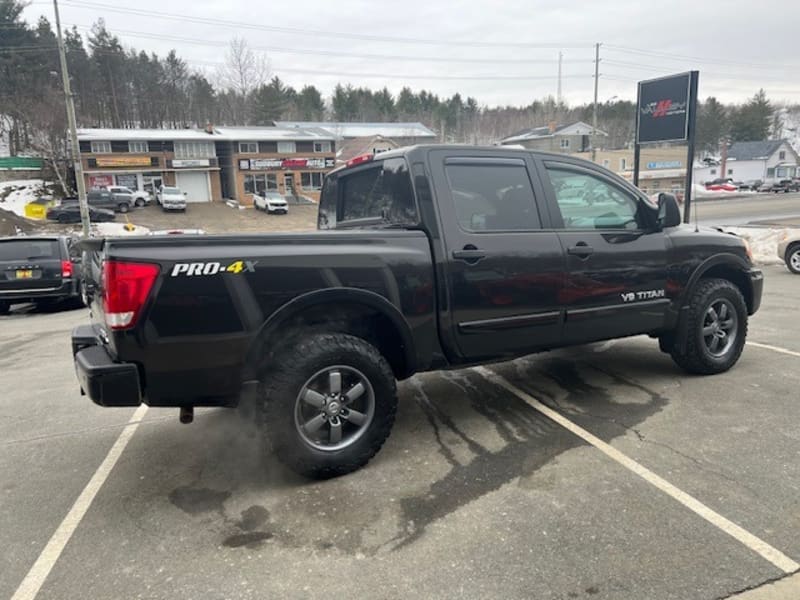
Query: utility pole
point(73, 129)
point(558, 95)
point(594, 107)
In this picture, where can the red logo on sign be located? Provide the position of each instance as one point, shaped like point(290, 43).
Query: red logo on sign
point(662, 108)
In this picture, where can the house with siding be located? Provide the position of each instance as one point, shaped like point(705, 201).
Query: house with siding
point(569, 138)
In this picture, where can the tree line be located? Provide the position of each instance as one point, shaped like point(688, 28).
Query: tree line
point(116, 86)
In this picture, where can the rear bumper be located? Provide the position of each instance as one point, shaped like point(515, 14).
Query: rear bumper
point(757, 283)
point(67, 289)
point(105, 381)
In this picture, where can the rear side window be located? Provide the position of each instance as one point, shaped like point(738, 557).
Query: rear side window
point(28, 250)
point(492, 197)
point(380, 193)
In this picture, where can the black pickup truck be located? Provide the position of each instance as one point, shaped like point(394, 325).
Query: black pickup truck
point(429, 257)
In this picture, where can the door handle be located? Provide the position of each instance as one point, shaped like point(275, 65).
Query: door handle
point(581, 250)
point(469, 254)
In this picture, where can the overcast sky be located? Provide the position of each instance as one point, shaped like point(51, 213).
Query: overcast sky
point(738, 46)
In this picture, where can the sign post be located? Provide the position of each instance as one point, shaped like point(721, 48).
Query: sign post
point(666, 111)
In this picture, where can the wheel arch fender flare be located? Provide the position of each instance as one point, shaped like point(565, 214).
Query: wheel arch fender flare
point(725, 260)
point(340, 296)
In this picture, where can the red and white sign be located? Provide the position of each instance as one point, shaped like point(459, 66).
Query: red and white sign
point(101, 181)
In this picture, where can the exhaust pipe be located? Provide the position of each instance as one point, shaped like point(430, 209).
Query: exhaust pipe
point(187, 414)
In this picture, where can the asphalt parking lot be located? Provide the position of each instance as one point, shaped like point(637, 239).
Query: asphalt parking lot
point(477, 494)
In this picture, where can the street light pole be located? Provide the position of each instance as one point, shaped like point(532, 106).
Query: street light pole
point(594, 107)
point(73, 128)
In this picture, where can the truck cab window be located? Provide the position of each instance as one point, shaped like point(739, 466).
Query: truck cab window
point(381, 192)
point(493, 197)
point(589, 202)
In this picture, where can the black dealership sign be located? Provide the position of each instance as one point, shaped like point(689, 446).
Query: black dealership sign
point(663, 109)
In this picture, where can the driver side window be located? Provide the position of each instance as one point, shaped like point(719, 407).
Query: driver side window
point(589, 202)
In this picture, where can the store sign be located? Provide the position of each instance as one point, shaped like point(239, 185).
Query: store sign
point(286, 163)
point(123, 161)
point(663, 109)
point(101, 181)
point(128, 181)
point(666, 164)
point(190, 162)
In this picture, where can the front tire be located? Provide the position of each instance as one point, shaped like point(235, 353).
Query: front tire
point(792, 258)
point(327, 404)
point(714, 328)
point(5, 307)
point(123, 208)
point(139, 202)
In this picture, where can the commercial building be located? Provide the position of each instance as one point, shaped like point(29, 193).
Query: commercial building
point(148, 158)
point(660, 169)
point(211, 164)
point(291, 161)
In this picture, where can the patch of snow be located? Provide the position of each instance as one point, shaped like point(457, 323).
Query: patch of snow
point(118, 229)
point(764, 242)
point(23, 191)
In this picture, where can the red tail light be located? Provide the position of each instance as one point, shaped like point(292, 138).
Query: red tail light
point(66, 269)
point(359, 159)
point(126, 286)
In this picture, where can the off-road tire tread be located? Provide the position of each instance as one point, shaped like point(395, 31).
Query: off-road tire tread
point(277, 395)
point(694, 360)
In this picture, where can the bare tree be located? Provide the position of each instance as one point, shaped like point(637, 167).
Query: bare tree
point(244, 70)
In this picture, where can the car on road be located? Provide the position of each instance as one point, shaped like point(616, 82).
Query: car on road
point(271, 202)
point(783, 186)
point(140, 197)
point(429, 257)
point(38, 269)
point(789, 251)
point(171, 198)
point(70, 212)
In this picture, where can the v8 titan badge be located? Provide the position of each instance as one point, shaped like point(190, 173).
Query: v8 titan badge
point(213, 268)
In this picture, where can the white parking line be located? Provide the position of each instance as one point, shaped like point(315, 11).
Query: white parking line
point(774, 348)
point(33, 581)
point(773, 555)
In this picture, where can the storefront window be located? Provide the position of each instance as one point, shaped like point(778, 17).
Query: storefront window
point(258, 184)
point(311, 181)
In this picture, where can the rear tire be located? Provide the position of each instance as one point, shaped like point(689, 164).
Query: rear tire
point(327, 403)
point(792, 258)
point(714, 328)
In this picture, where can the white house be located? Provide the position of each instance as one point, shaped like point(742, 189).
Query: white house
point(770, 160)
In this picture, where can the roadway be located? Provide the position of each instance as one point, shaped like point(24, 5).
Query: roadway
point(748, 210)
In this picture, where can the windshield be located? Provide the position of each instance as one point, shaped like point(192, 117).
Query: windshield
point(171, 190)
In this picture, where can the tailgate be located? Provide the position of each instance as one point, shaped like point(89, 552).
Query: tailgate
point(29, 264)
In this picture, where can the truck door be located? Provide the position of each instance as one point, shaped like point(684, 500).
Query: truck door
point(503, 268)
point(616, 258)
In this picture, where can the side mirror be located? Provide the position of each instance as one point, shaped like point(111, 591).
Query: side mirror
point(669, 213)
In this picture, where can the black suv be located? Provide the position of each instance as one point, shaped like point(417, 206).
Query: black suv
point(38, 269)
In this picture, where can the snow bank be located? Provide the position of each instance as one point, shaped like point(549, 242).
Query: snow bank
point(117, 229)
point(14, 195)
point(763, 242)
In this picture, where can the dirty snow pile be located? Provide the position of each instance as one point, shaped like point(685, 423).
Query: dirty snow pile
point(764, 242)
point(117, 229)
point(14, 195)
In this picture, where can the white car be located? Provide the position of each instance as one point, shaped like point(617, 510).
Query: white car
point(171, 198)
point(271, 202)
point(140, 197)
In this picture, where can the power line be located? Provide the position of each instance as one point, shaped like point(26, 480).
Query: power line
point(313, 32)
point(697, 59)
point(280, 50)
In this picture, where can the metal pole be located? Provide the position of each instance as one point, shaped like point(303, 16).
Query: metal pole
point(594, 108)
point(558, 95)
point(636, 146)
point(692, 117)
point(73, 129)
